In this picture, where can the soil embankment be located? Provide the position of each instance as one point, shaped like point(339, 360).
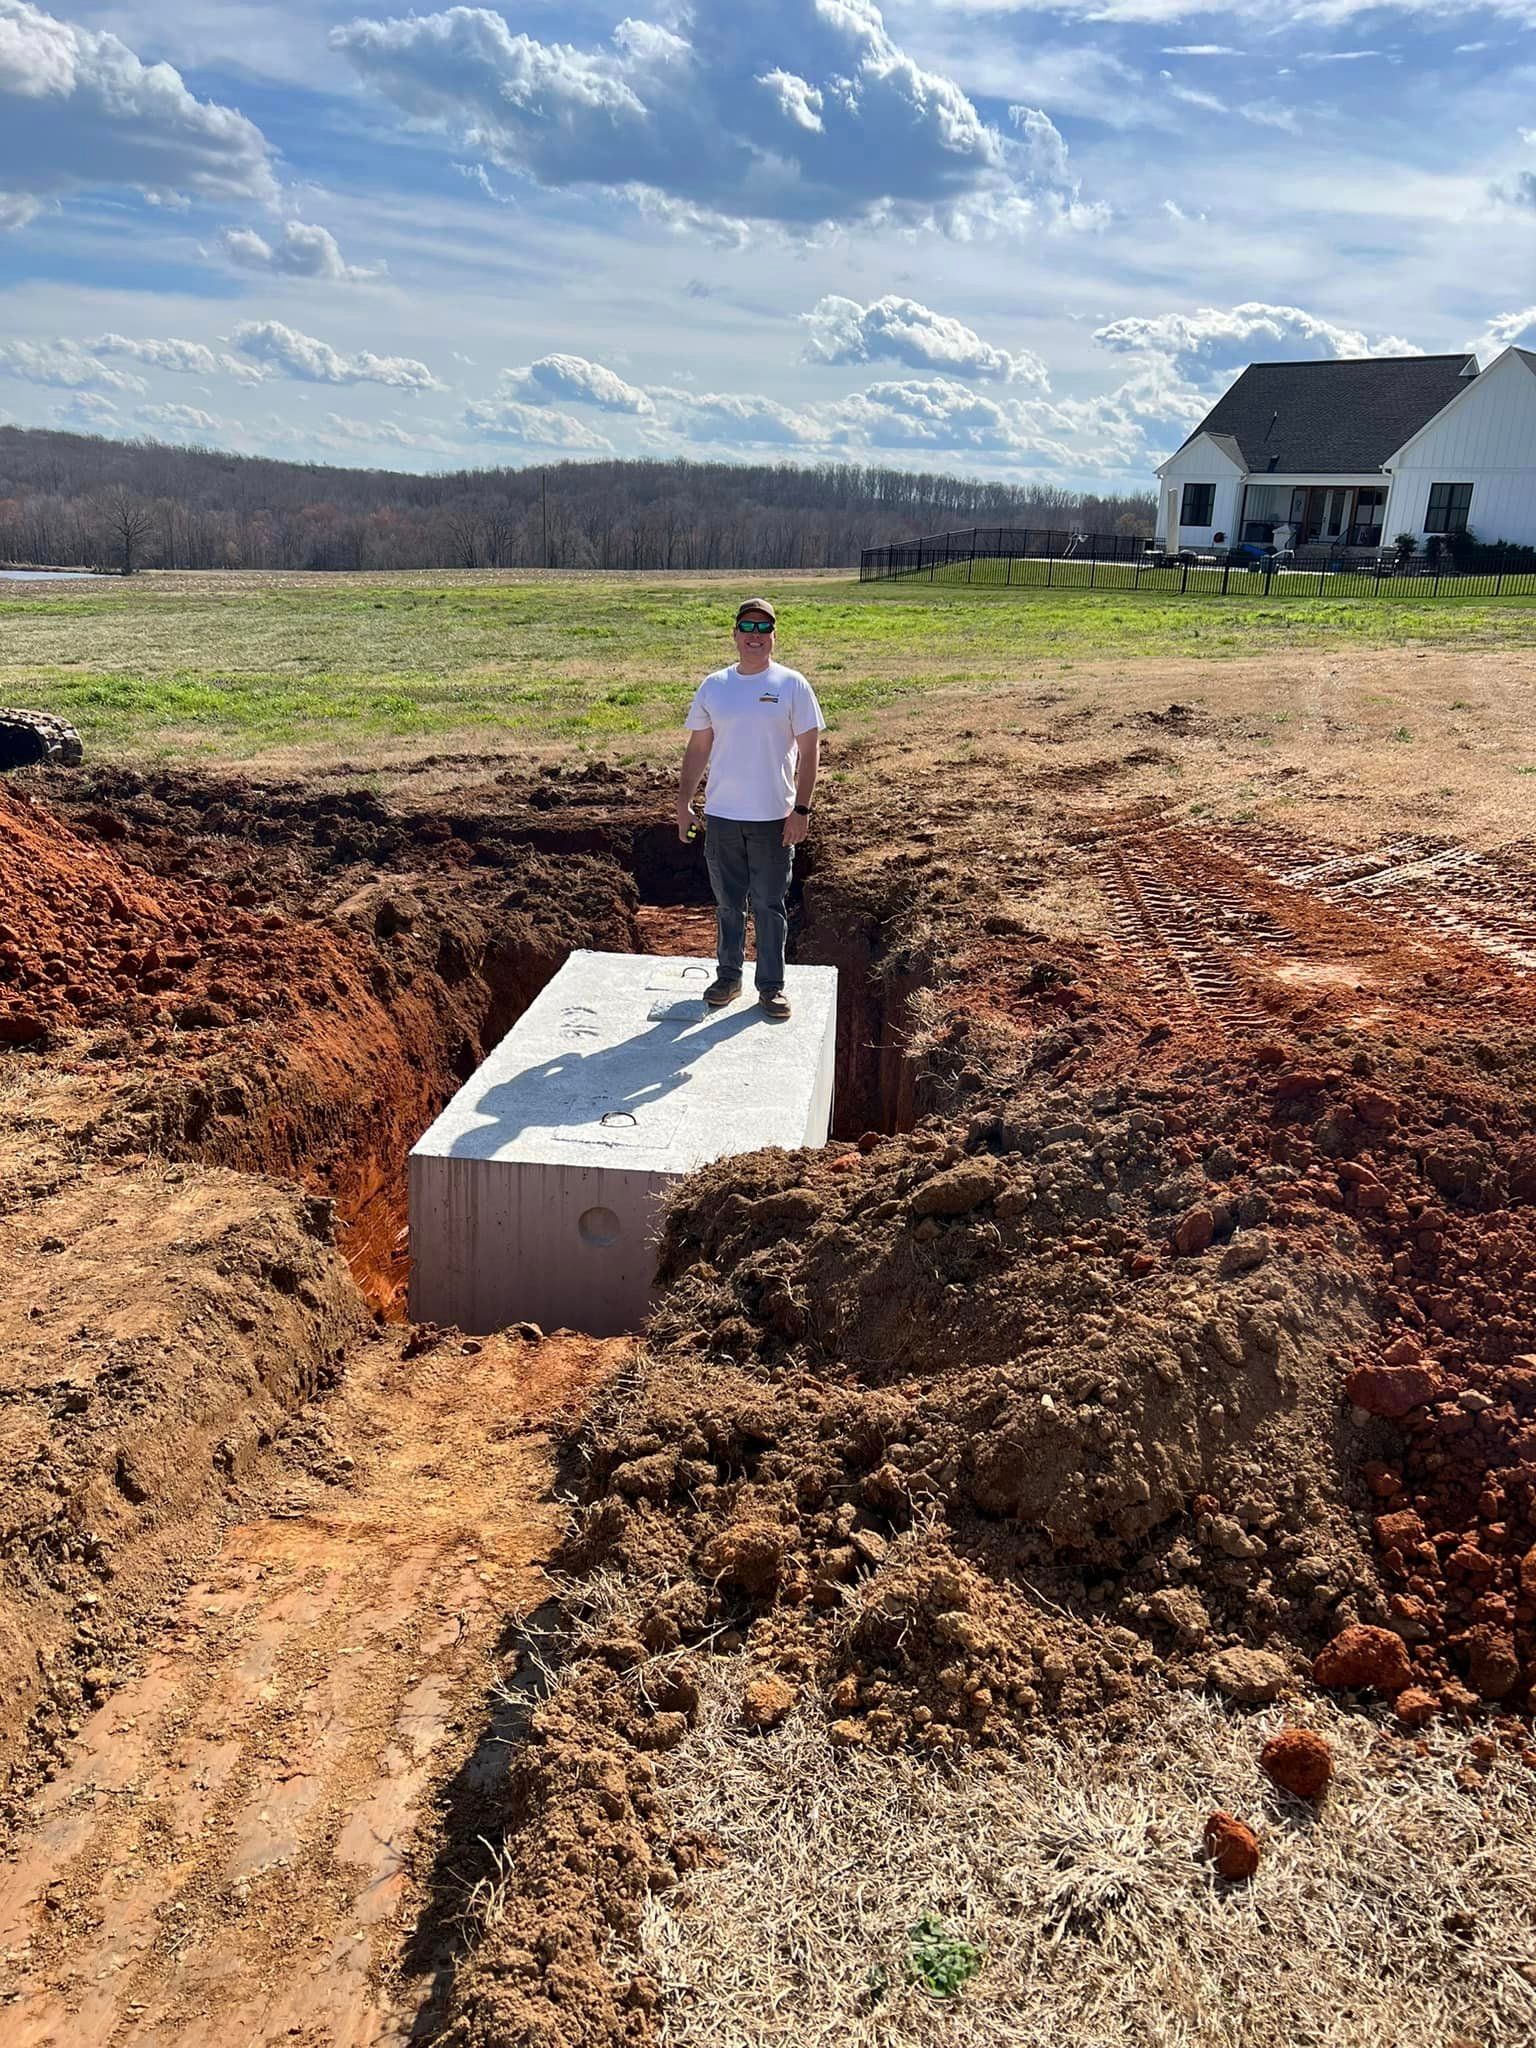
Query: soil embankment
point(1187, 1342)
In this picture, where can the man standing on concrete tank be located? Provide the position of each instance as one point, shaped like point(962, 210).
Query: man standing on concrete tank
point(756, 727)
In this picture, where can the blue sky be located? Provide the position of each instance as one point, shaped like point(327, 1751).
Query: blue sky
point(1030, 241)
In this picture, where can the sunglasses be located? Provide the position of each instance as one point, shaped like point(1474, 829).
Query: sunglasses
point(754, 625)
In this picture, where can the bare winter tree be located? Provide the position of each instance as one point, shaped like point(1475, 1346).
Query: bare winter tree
point(500, 530)
point(464, 530)
point(129, 522)
point(72, 498)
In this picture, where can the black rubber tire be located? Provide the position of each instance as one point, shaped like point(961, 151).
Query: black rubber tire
point(33, 739)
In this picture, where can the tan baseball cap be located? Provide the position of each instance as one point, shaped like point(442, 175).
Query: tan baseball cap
point(756, 604)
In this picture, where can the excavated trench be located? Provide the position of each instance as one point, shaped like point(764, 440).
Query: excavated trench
point(661, 905)
point(265, 996)
point(429, 936)
point(1040, 1403)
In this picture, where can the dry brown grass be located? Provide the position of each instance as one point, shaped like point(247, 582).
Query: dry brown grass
point(1403, 1914)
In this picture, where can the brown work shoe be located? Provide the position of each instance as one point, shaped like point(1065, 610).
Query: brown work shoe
point(724, 989)
point(774, 1003)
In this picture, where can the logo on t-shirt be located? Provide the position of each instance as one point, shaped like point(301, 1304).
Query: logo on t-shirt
point(769, 697)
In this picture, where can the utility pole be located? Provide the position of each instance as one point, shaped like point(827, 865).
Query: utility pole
point(544, 502)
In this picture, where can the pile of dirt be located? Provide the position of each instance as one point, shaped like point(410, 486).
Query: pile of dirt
point(293, 835)
point(970, 1427)
point(955, 1434)
point(227, 1043)
point(86, 940)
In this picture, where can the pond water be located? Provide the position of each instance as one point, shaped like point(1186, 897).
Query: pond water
point(45, 575)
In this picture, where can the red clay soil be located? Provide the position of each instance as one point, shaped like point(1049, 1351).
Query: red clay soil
point(152, 1343)
point(1300, 1761)
point(87, 940)
point(1231, 1252)
point(1214, 1268)
point(1385, 1003)
point(313, 1035)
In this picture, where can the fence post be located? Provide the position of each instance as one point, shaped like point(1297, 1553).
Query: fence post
point(1008, 577)
point(1093, 570)
point(1320, 586)
point(1269, 573)
point(1226, 571)
point(1137, 584)
point(1184, 584)
point(1435, 590)
point(1498, 581)
point(970, 568)
point(1378, 575)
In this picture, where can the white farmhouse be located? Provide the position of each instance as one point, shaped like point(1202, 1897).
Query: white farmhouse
point(1347, 455)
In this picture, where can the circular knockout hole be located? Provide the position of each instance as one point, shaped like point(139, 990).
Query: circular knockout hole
point(599, 1227)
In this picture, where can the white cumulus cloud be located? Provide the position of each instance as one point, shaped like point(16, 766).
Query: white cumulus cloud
point(1507, 330)
point(63, 364)
point(301, 250)
point(343, 427)
point(87, 412)
point(740, 419)
point(792, 112)
point(898, 330)
point(1214, 342)
point(557, 379)
point(79, 112)
point(533, 426)
point(180, 422)
point(292, 354)
point(181, 358)
point(930, 413)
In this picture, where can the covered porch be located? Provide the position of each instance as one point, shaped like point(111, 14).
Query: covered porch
point(1345, 513)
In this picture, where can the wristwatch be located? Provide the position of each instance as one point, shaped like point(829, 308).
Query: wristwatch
point(802, 810)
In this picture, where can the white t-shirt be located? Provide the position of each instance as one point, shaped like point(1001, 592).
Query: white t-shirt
point(755, 720)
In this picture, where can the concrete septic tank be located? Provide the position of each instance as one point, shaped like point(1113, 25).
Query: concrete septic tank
point(536, 1194)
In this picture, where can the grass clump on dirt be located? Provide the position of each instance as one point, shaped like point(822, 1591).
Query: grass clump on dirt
point(184, 667)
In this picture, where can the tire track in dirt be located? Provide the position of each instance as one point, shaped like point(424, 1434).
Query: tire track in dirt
point(235, 1844)
point(1235, 929)
point(1199, 941)
point(1456, 892)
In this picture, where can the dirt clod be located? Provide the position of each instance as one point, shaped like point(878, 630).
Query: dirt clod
point(1364, 1659)
point(767, 1700)
point(1300, 1761)
point(1249, 1676)
point(1232, 1846)
point(958, 1191)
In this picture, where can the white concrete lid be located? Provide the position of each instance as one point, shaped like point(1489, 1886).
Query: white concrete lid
point(618, 1063)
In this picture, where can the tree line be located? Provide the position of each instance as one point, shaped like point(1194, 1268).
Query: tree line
point(81, 500)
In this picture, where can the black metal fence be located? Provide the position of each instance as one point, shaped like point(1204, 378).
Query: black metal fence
point(996, 543)
point(1030, 559)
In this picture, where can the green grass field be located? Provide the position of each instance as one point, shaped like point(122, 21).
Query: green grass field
point(236, 667)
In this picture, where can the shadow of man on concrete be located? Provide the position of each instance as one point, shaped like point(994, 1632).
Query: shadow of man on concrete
point(616, 1087)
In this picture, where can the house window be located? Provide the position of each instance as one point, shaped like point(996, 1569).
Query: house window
point(1199, 507)
point(1265, 506)
point(1370, 510)
point(1449, 505)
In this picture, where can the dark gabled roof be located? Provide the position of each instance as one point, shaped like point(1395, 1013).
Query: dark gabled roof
point(1329, 418)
